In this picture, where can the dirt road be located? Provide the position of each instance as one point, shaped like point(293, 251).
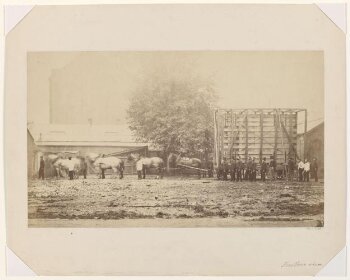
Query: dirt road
point(174, 202)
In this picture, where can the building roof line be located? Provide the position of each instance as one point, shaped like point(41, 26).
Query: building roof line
point(262, 109)
point(90, 141)
point(312, 129)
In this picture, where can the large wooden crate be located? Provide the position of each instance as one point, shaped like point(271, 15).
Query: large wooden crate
point(258, 133)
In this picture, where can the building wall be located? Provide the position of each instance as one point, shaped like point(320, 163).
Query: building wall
point(314, 147)
point(90, 149)
point(31, 151)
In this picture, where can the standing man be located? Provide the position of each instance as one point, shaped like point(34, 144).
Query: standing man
point(41, 168)
point(290, 169)
point(247, 173)
point(243, 170)
point(314, 169)
point(253, 171)
point(102, 169)
point(70, 168)
point(139, 168)
point(306, 170)
point(272, 168)
point(103, 173)
point(233, 168)
point(239, 169)
point(210, 169)
point(224, 169)
point(300, 170)
point(220, 172)
point(263, 169)
point(84, 167)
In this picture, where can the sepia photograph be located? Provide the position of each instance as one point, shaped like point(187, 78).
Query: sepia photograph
point(179, 140)
point(175, 139)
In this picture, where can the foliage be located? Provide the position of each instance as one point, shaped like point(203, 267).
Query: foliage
point(175, 115)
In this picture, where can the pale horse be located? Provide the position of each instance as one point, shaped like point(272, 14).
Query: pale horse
point(102, 163)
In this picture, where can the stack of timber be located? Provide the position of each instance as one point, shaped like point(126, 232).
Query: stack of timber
point(258, 133)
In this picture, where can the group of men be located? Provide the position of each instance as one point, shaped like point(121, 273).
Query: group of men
point(304, 169)
point(70, 167)
point(238, 170)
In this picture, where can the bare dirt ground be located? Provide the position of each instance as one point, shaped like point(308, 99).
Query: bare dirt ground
point(184, 202)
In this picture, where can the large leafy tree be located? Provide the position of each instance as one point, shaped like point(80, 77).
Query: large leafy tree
point(175, 115)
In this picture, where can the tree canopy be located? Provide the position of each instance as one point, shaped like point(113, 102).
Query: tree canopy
point(175, 115)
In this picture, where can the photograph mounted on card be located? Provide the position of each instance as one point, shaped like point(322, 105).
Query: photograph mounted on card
point(205, 127)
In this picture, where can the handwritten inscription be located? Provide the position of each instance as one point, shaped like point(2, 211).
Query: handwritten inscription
point(288, 264)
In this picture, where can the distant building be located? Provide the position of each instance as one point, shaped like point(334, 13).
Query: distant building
point(313, 146)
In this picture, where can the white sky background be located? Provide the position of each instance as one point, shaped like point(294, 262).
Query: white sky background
point(97, 85)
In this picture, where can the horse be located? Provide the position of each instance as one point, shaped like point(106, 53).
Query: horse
point(60, 164)
point(147, 163)
point(109, 162)
point(176, 160)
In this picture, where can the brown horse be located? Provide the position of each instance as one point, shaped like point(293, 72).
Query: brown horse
point(147, 163)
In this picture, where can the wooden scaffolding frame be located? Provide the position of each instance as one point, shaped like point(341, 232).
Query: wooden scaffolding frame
point(256, 123)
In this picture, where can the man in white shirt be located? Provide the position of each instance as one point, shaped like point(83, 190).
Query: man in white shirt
point(301, 170)
point(70, 168)
point(306, 170)
point(139, 168)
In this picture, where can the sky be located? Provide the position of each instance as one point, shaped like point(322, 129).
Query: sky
point(83, 87)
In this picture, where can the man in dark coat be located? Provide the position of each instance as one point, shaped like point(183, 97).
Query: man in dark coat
point(41, 168)
point(210, 168)
point(248, 175)
point(291, 165)
point(233, 168)
point(263, 169)
point(84, 167)
point(273, 166)
point(222, 171)
point(239, 170)
point(253, 170)
point(314, 169)
point(70, 168)
point(225, 169)
point(103, 170)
